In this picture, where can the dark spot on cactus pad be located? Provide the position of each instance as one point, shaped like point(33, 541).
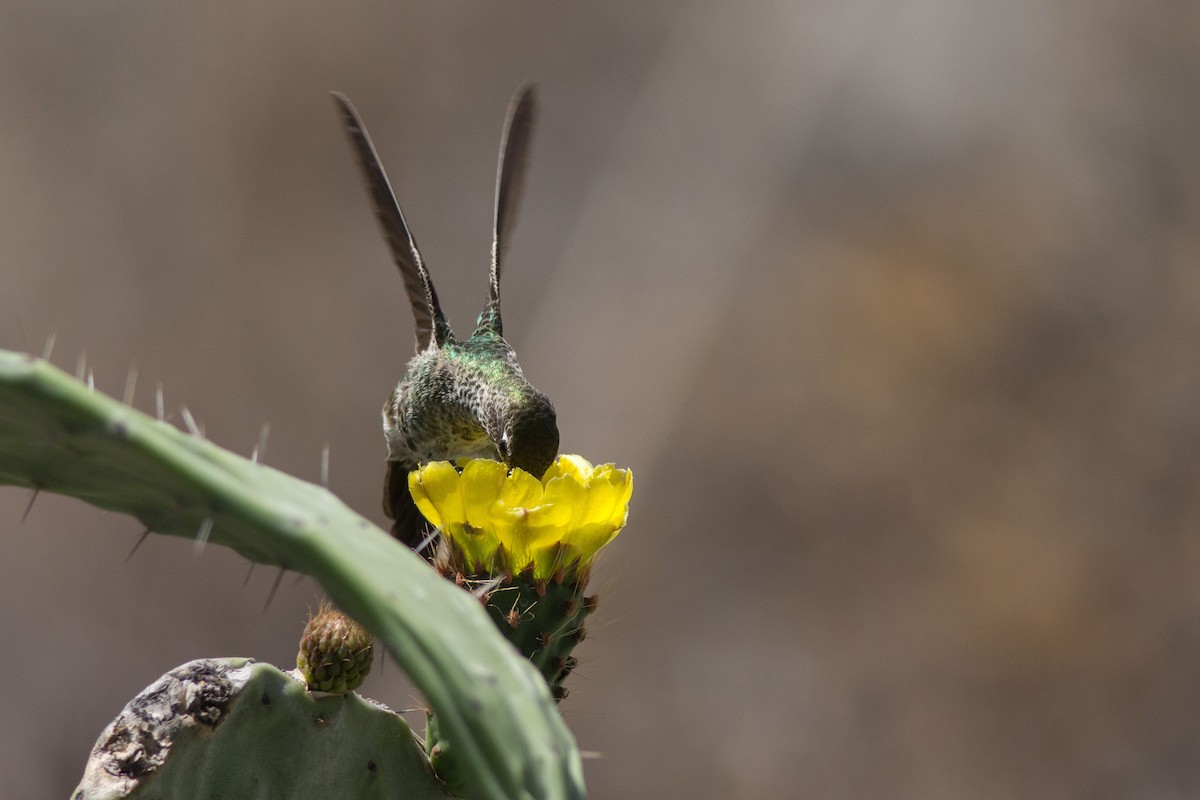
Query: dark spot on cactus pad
point(266, 699)
point(371, 768)
point(139, 739)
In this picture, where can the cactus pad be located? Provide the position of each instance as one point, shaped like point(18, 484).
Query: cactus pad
point(222, 728)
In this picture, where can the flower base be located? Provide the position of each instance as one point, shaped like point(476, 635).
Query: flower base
point(543, 619)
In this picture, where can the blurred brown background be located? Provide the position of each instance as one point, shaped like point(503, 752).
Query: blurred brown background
point(892, 307)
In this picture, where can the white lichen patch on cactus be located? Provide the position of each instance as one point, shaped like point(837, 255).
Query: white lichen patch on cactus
point(508, 522)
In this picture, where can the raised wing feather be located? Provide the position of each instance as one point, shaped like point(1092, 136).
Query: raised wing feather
point(427, 312)
point(515, 141)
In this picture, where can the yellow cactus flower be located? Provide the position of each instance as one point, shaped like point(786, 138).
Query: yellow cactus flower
point(507, 522)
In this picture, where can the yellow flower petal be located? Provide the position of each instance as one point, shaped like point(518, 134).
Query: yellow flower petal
point(480, 482)
point(578, 466)
point(510, 522)
point(435, 490)
point(622, 481)
point(520, 538)
point(479, 545)
point(560, 498)
point(521, 490)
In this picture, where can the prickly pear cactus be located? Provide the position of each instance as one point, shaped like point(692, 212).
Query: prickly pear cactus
point(491, 706)
point(525, 547)
point(224, 728)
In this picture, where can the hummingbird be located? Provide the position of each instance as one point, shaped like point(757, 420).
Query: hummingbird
point(457, 399)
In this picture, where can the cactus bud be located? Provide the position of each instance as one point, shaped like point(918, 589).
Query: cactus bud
point(335, 652)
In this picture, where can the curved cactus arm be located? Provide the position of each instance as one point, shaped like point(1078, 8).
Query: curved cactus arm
point(227, 727)
point(57, 435)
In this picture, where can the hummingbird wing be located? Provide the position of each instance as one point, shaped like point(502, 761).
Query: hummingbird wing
point(515, 140)
point(421, 295)
point(407, 523)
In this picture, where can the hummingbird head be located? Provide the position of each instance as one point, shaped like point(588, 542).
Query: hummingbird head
point(529, 439)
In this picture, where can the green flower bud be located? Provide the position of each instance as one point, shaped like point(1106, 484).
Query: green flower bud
point(335, 652)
